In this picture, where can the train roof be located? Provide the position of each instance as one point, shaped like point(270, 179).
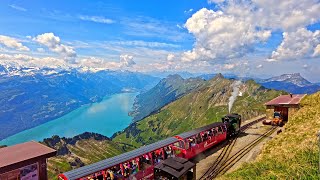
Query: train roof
point(233, 115)
point(110, 162)
point(198, 130)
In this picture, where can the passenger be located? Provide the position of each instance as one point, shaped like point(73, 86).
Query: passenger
point(205, 136)
point(193, 144)
point(111, 174)
point(146, 157)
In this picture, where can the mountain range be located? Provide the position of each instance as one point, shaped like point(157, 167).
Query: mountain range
point(30, 96)
point(206, 104)
point(293, 83)
point(166, 91)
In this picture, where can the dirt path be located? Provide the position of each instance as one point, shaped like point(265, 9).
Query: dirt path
point(206, 160)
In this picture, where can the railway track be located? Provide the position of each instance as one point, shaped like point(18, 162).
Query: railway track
point(222, 163)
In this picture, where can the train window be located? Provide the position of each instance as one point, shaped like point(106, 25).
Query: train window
point(198, 139)
point(179, 144)
point(168, 152)
point(157, 156)
point(145, 161)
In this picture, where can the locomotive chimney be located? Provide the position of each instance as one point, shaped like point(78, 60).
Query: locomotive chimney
point(291, 95)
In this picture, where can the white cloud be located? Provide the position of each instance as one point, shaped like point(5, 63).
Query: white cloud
point(22, 60)
point(97, 19)
point(259, 66)
point(149, 44)
point(284, 15)
point(170, 57)
point(188, 11)
point(296, 45)
point(17, 7)
point(126, 60)
point(316, 51)
point(229, 66)
point(54, 44)
point(12, 43)
point(215, 1)
point(179, 26)
point(220, 36)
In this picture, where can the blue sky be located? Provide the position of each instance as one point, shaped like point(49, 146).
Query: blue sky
point(253, 38)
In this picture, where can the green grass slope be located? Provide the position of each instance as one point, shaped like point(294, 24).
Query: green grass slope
point(80, 152)
point(205, 105)
point(169, 89)
point(294, 153)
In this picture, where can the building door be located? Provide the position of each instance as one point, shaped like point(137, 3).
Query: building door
point(283, 111)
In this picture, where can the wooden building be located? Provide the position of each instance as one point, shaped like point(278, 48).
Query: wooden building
point(26, 161)
point(285, 104)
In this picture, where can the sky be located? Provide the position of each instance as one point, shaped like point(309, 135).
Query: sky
point(258, 38)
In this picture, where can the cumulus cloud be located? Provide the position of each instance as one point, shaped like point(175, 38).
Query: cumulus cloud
point(170, 57)
point(126, 60)
point(12, 43)
point(236, 27)
point(54, 44)
point(284, 15)
point(221, 36)
point(299, 44)
point(97, 19)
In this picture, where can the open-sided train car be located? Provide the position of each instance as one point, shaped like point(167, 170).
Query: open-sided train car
point(139, 163)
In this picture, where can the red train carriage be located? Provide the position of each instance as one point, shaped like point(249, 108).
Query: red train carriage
point(139, 163)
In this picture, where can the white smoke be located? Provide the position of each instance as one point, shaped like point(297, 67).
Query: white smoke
point(234, 94)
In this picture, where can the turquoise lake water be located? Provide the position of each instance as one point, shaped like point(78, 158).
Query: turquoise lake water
point(106, 117)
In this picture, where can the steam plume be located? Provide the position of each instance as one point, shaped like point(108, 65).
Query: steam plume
point(234, 94)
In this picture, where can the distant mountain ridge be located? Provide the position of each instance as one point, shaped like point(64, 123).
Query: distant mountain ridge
point(293, 83)
point(294, 78)
point(166, 91)
point(31, 97)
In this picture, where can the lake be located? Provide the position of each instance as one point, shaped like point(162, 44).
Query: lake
point(106, 117)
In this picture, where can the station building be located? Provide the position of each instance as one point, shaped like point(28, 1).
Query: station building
point(26, 161)
point(285, 104)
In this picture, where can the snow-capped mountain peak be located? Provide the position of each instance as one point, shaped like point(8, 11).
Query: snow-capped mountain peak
point(294, 78)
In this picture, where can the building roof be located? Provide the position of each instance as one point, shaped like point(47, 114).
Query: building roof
point(23, 152)
point(286, 100)
point(107, 163)
point(175, 166)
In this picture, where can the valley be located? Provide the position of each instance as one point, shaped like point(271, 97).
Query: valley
point(105, 117)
